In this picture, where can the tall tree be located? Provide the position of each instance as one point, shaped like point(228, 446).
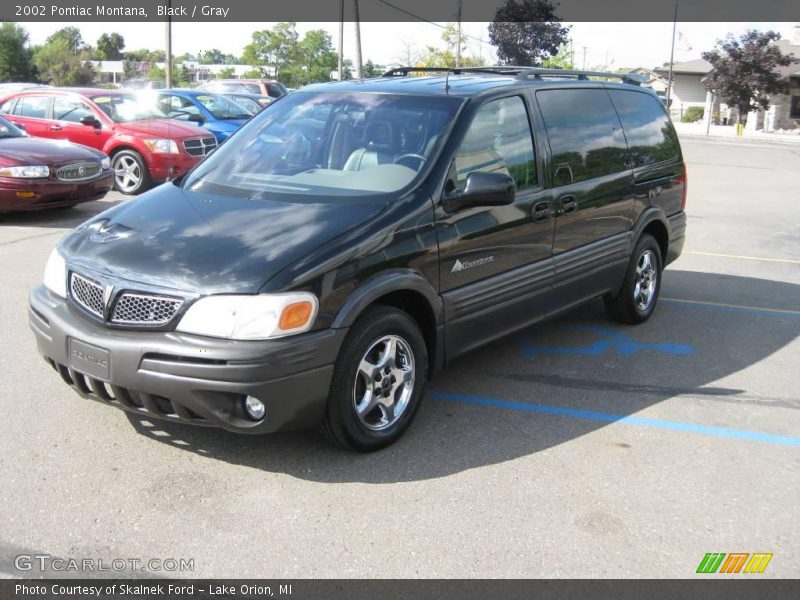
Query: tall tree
point(525, 32)
point(744, 74)
point(315, 59)
point(110, 46)
point(15, 56)
point(448, 56)
point(71, 36)
point(59, 64)
point(276, 48)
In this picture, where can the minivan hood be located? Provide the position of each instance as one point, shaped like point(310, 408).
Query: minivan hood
point(162, 128)
point(205, 243)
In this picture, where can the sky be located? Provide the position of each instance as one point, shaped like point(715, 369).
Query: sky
point(607, 45)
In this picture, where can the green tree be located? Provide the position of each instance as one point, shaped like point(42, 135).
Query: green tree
point(110, 46)
point(273, 50)
point(562, 60)
point(226, 73)
point(15, 57)
point(526, 32)
point(744, 74)
point(315, 59)
point(71, 36)
point(60, 63)
point(370, 70)
point(449, 55)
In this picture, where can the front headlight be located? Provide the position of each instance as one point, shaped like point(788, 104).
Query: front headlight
point(26, 172)
point(55, 274)
point(259, 317)
point(163, 146)
point(105, 164)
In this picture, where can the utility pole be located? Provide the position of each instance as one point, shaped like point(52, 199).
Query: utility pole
point(168, 62)
point(341, 39)
point(584, 58)
point(359, 65)
point(671, 59)
point(458, 37)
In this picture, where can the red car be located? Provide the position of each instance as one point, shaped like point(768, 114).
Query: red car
point(144, 146)
point(37, 173)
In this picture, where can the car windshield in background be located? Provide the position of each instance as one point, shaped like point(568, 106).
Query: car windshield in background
point(123, 109)
point(222, 107)
point(7, 130)
point(331, 144)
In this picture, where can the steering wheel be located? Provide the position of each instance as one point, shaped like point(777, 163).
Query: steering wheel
point(418, 157)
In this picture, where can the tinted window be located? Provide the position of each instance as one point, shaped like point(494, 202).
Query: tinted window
point(794, 108)
point(68, 109)
point(651, 137)
point(499, 139)
point(275, 90)
point(585, 135)
point(32, 106)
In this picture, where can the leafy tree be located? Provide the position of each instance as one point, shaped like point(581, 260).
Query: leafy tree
point(252, 74)
point(370, 70)
point(315, 59)
point(59, 61)
point(562, 60)
point(217, 57)
point(347, 69)
point(110, 46)
point(226, 73)
point(15, 56)
point(744, 73)
point(71, 36)
point(275, 50)
point(525, 32)
point(448, 56)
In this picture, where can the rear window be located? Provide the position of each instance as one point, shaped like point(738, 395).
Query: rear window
point(651, 137)
point(586, 139)
point(32, 106)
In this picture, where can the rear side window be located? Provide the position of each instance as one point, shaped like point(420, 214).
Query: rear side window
point(7, 106)
point(585, 134)
point(651, 137)
point(499, 140)
point(32, 106)
point(69, 109)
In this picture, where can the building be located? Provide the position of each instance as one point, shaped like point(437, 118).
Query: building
point(688, 89)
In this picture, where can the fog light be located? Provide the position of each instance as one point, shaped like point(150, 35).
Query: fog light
point(255, 408)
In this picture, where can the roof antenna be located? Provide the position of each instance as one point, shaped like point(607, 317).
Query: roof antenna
point(447, 82)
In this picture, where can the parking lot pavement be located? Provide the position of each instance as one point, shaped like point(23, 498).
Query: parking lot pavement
point(578, 448)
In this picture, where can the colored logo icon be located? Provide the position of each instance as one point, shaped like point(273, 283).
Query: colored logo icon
point(734, 562)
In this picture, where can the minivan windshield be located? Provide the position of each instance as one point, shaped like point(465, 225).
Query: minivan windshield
point(329, 144)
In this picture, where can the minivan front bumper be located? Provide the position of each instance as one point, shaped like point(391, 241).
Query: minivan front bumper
point(188, 378)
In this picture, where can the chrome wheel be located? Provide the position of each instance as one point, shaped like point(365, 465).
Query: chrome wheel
point(646, 280)
point(384, 383)
point(127, 173)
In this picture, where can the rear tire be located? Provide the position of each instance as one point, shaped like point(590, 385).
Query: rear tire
point(131, 175)
point(637, 298)
point(378, 381)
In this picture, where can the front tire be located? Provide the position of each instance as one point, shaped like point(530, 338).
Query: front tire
point(637, 298)
point(131, 175)
point(378, 381)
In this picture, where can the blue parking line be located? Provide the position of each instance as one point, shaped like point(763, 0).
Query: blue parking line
point(591, 415)
point(763, 312)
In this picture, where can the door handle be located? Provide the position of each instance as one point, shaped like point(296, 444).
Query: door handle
point(568, 204)
point(56, 128)
point(541, 212)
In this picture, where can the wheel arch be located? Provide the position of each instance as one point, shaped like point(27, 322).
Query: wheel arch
point(410, 292)
point(654, 222)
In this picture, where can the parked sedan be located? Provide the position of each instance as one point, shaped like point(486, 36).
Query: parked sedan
point(144, 146)
point(218, 114)
point(36, 173)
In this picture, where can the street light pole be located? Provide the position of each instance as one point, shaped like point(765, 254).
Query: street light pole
point(671, 59)
point(359, 66)
point(168, 62)
point(341, 39)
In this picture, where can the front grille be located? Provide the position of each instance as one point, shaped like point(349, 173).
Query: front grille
point(80, 171)
point(145, 309)
point(87, 293)
point(200, 146)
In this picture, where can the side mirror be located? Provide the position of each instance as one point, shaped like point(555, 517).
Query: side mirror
point(91, 121)
point(194, 118)
point(482, 189)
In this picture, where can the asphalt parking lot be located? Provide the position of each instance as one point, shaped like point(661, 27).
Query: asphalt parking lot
point(579, 448)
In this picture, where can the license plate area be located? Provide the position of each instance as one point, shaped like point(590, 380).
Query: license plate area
point(89, 360)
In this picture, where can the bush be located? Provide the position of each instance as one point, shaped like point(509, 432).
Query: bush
point(692, 114)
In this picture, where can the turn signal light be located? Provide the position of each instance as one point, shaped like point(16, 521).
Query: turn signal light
point(296, 315)
point(26, 194)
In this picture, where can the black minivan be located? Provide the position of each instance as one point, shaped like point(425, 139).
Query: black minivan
point(353, 238)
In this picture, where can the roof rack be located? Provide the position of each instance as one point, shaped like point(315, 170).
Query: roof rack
point(521, 73)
